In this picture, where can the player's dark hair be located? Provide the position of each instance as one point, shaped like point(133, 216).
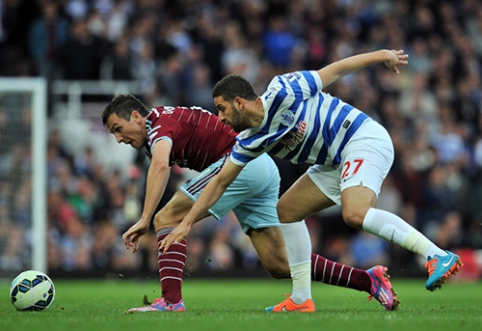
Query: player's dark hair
point(123, 105)
point(233, 86)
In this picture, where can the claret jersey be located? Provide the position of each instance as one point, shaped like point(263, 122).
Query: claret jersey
point(301, 123)
point(198, 138)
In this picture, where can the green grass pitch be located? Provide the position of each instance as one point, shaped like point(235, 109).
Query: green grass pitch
point(239, 305)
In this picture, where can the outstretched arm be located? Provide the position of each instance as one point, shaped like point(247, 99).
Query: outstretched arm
point(208, 197)
point(339, 69)
point(157, 177)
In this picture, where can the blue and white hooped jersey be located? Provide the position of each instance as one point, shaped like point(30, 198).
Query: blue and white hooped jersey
point(301, 123)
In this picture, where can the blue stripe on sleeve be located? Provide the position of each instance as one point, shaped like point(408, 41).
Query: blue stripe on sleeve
point(298, 94)
point(311, 82)
point(241, 157)
point(246, 142)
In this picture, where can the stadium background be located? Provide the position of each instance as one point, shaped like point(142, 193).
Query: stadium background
point(172, 53)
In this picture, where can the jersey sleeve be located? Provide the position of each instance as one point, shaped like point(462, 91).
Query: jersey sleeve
point(303, 84)
point(289, 90)
point(241, 156)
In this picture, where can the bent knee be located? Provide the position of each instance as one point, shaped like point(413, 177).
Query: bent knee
point(163, 220)
point(285, 214)
point(354, 218)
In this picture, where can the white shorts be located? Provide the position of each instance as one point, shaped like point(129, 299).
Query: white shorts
point(365, 160)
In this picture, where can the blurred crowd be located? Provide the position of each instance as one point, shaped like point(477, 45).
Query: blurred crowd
point(178, 50)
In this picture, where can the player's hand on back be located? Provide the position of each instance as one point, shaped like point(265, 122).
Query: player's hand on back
point(131, 237)
point(396, 58)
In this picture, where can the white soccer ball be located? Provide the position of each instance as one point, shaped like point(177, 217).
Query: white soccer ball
point(32, 290)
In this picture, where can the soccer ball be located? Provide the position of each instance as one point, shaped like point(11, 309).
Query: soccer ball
point(32, 290)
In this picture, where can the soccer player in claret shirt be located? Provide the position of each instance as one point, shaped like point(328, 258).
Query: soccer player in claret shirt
point(194, 138)
point(350, 154)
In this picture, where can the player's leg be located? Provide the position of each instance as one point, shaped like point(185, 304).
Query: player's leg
point(295, 204)
point(171, 263)
point(301, 200)
point(259, 211)
point(271, 249)
point(394, 229)
point(306, 198)
point(365, 164)
point(375, 281)
point(269, 244)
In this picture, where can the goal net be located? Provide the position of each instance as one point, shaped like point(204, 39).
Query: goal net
point(23, 144)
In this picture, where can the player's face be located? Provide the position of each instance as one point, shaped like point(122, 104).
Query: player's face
point(230, 114)
point(131, 132)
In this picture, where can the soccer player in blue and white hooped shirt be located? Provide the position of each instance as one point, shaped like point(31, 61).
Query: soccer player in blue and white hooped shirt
point(350, 154)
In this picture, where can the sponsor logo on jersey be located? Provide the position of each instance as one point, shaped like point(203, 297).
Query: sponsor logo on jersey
point(295, 137)
point(287, 118)
point(292, 76)
point(168, 111)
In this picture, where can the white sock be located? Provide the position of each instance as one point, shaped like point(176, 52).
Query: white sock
point(394, 229)
point(298, 248)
